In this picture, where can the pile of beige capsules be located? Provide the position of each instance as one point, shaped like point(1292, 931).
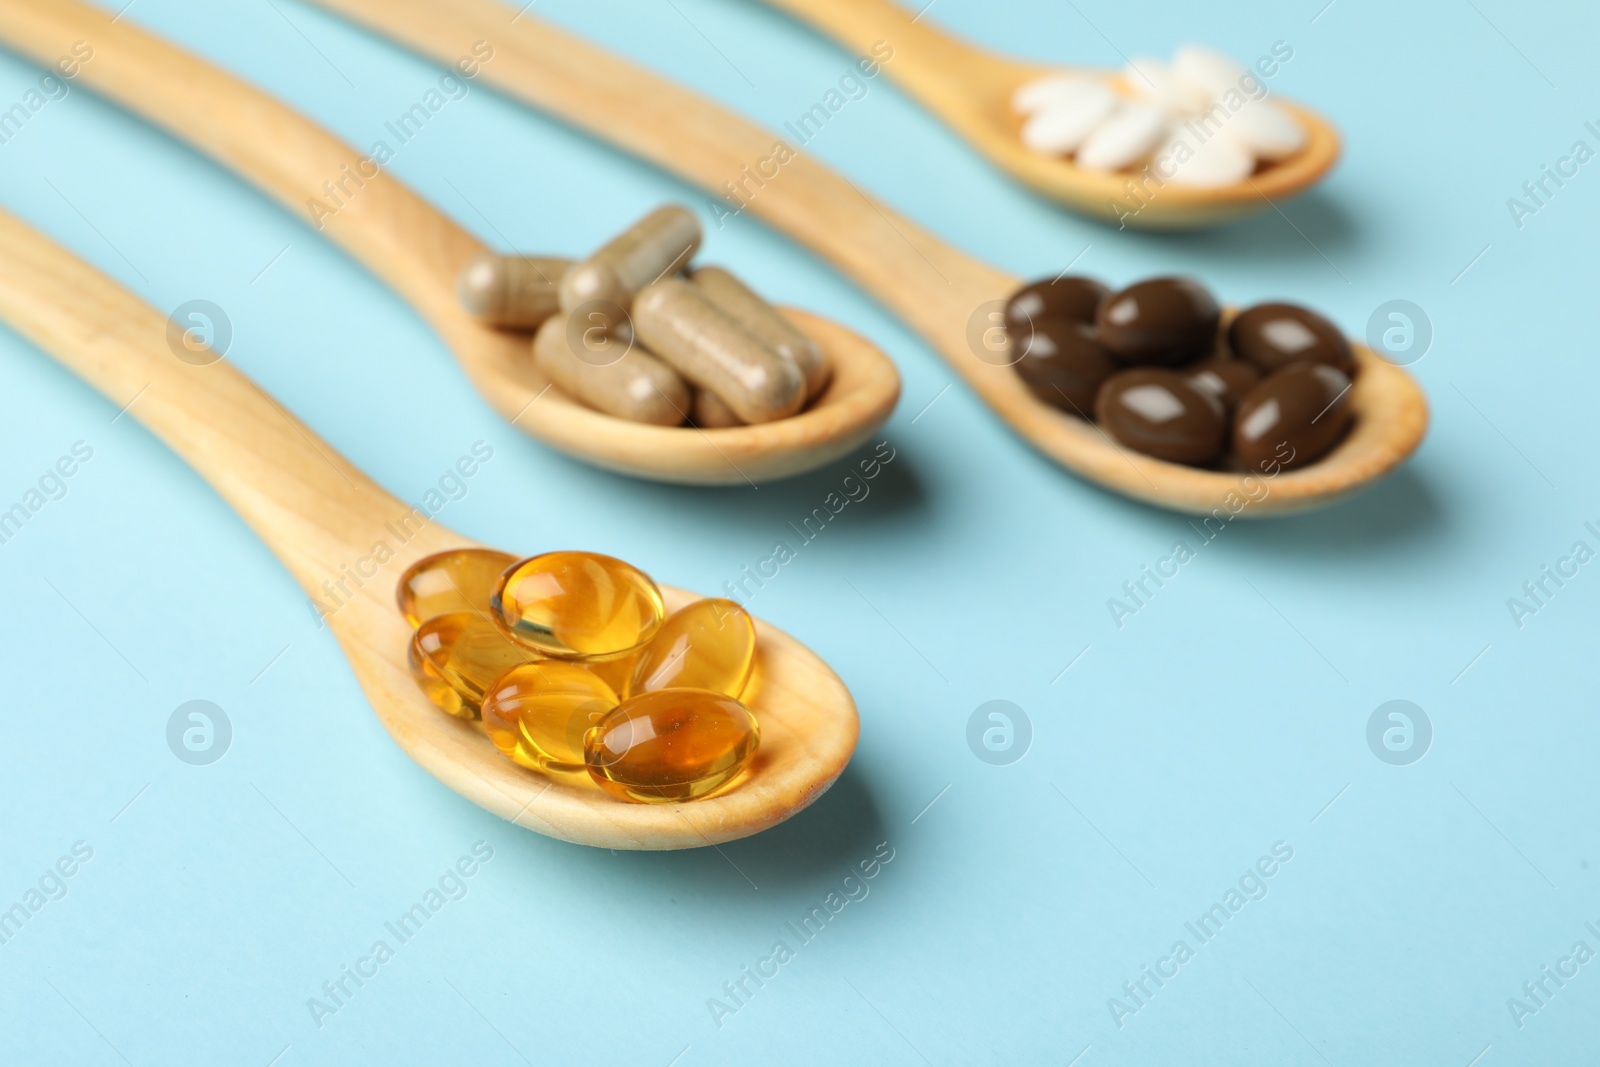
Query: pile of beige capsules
point(571, 665)
point(1159, 370)
point(632, 332)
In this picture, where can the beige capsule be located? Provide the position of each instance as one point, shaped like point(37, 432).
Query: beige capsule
point(677, 322)
point(710, 413)
point(512, 292)
point(657, 245)
point(612, 375)
point(766, 323)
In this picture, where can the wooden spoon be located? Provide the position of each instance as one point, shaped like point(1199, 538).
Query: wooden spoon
point(949, 298)
point(419, 253)
point(971, 89)
point(321, 515)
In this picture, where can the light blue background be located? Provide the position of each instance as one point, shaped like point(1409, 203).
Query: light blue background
point(1223, 718)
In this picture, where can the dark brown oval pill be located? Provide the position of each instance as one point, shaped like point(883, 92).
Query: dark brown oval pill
point(1272, 336)
point(1164, 321)
point(1162, 414)
point(1226, 379)
point(1063, 364)
point(1070, 298)
point(1292, 418)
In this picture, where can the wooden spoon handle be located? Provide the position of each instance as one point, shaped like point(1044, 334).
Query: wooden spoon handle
point(310, 506)
point(318, 177)
point(926, 282)
point(930, 63)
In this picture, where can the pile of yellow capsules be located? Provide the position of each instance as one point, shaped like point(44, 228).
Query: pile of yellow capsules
point(572, 666)
point(633, 332)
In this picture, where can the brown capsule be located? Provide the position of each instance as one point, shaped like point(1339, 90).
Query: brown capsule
point(766, 324)
point(608, 373)
point(659, 244)
point(1273, 336)
point(677, 322)
point(1162, 414)
point(1072, 298)
point(512, 292)
point(710, 413)
point(1292, 418)
point(1226, 379)
point(1164, 321)
point(1062, 363)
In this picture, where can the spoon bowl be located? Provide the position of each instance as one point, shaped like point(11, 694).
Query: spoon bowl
point(970, 89)
point(319, 515)
point(419, 252)
point(949, 298)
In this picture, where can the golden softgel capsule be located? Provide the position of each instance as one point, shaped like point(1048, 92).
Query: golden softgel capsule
point(711, 644)
point(680, 324)
point(538, 714)
point(512, 292)
point(659, 244)
point(578, 605)
point(455, 658)
point(450, 581)
point(765, 323)
point(608, 372)
point(673, 744)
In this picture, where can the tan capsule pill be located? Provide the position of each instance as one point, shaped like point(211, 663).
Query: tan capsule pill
point(766, 324)
point(677, 322)
point(609, 374)
point(710, 413)
point(512, 292)
point(657, 245)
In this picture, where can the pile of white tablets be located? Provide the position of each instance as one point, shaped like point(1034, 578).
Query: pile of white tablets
point(1201, 120)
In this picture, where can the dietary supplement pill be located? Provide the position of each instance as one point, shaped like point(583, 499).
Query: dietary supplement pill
point(1292, 418)
point(539, 713)
point(608, 373)
point(659, 244)
point(1063, 363)
point(711, 644)
point(512, 292)
point(1162, 414)
point(672, 744)
point(577, 605)
point(1272, 336)
point(1163, 321)
point(710, 413)
point(1071, 298)
point(1226, 379)
point(765, 323)
point(458, 580)
point(455, 658)
point(677, 322)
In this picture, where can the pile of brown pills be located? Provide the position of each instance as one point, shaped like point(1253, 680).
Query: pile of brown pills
point(1156, 367)
point(634, 332)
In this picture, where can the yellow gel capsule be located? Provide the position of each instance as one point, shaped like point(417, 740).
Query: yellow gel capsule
point(455, 658)
point(673, 744)
point(578, 605)
point(537, 714)
point(711, 644)
point(450, 581)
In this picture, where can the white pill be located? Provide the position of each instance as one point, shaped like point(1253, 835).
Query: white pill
point(1033, 95)
point(1220, 160)
point(1267, 130)
point(1209, 71)
point(1152, 80)
point(1131, 133)
point(1060, 127)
